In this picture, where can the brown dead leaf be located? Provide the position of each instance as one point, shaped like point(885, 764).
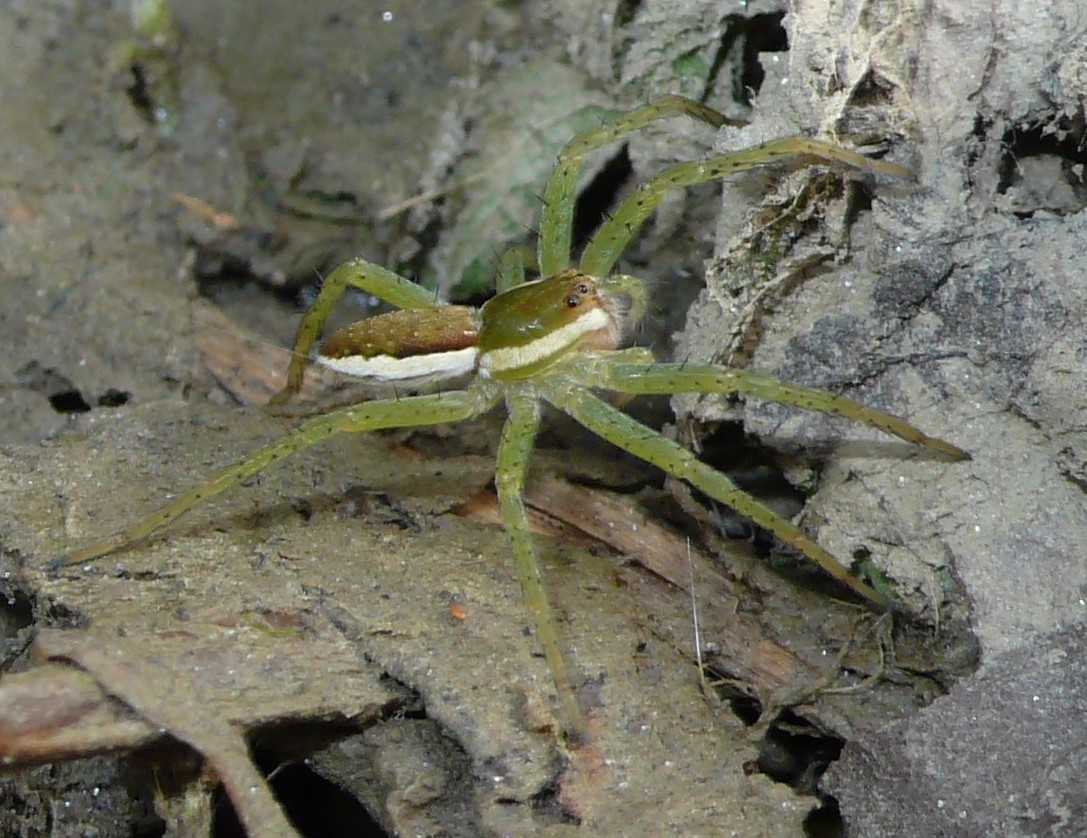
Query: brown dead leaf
point(174, 698)
point(54, 711)
point(248, 368)
point(203, 682)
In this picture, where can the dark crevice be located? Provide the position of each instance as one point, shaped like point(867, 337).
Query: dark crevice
point(860, 202)
point(69, 401)
point(626, 11)
point(976, 143)
point(17, 607)
point(872, 90)
point(826, 820)
point(753, 468)
point(744, 706)
point(16, 610)
point(1060, 139)
point(62, 394)
point(113, 398)
point(54, 614)
point(797, 754)
point(216, 275)
point(1043, 164)
point(753, 36)
point(792, 752)
point(137, 84)
point(548, 803)
point(599, 197)
point(314, 805)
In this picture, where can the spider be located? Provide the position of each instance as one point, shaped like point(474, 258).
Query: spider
point(555, 340)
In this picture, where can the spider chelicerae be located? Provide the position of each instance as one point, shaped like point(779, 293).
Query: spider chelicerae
point(555, 340)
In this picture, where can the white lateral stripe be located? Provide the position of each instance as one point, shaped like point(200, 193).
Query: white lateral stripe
point(387, 368)
point(514, 357)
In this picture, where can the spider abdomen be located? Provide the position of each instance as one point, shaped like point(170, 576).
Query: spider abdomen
point(437, 341)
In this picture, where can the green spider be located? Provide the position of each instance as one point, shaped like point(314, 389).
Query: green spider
point(551, 340)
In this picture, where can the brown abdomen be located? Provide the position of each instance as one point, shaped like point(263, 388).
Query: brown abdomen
point(406, 333)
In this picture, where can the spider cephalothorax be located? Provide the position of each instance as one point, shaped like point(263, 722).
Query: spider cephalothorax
point(555, 340)
point(525, 330)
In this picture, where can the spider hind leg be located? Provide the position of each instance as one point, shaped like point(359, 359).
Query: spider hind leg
point(518, 436)
point(366, 416)
point(632, 436)
point(355, 273)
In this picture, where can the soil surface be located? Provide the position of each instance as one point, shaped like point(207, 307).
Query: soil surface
point(339, 646)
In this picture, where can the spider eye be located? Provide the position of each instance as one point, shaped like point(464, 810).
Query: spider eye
point(574, 300)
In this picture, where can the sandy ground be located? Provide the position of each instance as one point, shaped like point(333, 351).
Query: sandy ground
point(353, 612)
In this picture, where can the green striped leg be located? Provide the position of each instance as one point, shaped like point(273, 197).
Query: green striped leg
point(511, 268)
point(557, 219)
point(518, 436)
point(609, 240)
point(655, 378)
point(627, 433)
point(355, 273)
point(368, 416)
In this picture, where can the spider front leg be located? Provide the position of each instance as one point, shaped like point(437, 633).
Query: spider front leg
point(434, 409)
point(643, 442)
point(632, 372)
point(511, 268)
point(355, 273)
point(607, 243)
point(518, 436)
point(557, 217)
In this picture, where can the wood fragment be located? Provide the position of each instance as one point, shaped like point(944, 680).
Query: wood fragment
point(216, 218)
point(249, 369)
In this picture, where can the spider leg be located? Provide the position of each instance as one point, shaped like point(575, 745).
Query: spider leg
point(627, 433)
point(357, 273)
point(652, 378)
point(367, 416)
point(518, 436)
point(557, 218)
point(616, 231)
point(511, 268)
